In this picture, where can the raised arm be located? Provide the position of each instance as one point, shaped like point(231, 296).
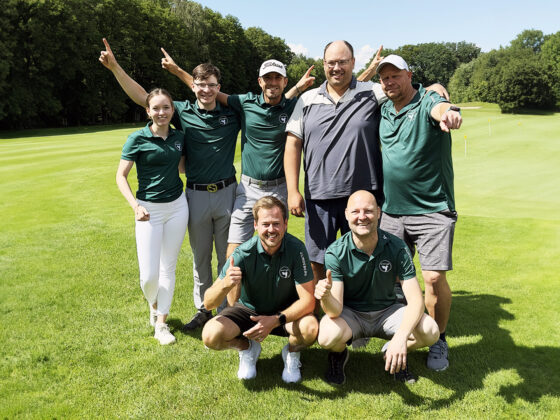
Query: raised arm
point(134, 91)
point(368, 73)
point(302, 85)
point(215, 295)
point(292, 163)
point(169, 64)
point(331, 295)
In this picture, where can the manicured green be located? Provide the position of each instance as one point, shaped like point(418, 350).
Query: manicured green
point(75, 339)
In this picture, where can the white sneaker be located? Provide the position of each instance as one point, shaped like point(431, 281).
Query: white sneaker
point(153, 316)
point(248, 361)
point(291, 373)
point(163, 334)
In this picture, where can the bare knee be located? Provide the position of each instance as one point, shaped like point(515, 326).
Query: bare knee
point(427, 331)
point(330, 335)
point(309, 329)
point(212, 335)
point(433, 278)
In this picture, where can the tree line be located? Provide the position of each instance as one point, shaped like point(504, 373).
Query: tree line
point(50, 76)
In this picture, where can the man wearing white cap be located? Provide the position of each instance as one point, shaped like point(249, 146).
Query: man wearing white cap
point(419, 202)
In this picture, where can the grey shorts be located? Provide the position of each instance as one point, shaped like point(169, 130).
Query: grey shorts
point(382, 324)
point(431, 234)
point(249, 190)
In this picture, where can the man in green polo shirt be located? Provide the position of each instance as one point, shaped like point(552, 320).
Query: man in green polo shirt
point(419, 202)
point(358, 294)
point(263, 139)
point(270, 276)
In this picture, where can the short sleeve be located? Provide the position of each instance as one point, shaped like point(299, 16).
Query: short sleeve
point(130, 149)
point(295, 123)
point(405, 268)
point(302, 266)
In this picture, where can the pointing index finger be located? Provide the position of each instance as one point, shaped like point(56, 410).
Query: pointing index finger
point(107, 46)
point(165, 53)
point(308, 72)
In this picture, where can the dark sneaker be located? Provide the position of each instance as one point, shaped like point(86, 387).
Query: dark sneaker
point(337, 362)
point(198, 320)
point(437, 357)
point(405, 376)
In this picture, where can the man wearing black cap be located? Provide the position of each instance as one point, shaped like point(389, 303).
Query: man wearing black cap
point(419, 202)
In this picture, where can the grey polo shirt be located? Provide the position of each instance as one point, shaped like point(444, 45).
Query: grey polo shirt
point(341, 152)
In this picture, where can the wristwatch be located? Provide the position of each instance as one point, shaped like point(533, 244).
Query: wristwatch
point(281, 318)
point(454, 108)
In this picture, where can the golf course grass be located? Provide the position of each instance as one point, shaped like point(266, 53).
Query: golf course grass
point(76, 343)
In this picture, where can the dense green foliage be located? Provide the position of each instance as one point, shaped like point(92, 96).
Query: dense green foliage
point(76, 343)
point(49, 73)
point(525, 75)
point(435, 62)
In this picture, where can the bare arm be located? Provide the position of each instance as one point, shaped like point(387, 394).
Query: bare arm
point(292, 163)
point(302, 85)
point(368, 73)
point(215, 295)
point(395, 357)
point(169, 64)
point(134, 91)
point(123, 170)
point(448, 119)
point(331, 295)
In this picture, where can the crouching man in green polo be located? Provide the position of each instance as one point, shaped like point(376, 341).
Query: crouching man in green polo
point(358, 294)
point(270, 276)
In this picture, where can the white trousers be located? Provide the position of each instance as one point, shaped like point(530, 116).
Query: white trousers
point(158, 242)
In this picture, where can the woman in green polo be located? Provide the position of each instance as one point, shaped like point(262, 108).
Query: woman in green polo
point(160, 207)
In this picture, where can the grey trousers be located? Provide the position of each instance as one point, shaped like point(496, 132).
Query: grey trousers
point(209, 216)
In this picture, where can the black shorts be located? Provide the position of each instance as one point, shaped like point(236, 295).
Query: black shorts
point(240, 315)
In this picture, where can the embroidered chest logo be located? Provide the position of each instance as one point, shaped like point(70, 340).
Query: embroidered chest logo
point(284, 273)
point(385, 266)
point(223, 120)
point(283, 118)
point(411, 115)
point(178, 146)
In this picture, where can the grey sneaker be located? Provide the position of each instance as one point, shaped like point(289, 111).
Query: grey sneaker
point(163, 335)
point(291, 373)
point(248, 361)
point(437, 357)
point(198, 320)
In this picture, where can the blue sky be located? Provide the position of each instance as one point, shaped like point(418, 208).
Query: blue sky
point(308, 25)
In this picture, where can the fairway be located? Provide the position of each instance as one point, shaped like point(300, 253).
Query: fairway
point(75, 338)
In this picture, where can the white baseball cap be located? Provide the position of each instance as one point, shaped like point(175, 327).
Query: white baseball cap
point(395, 60)
point(270, 66)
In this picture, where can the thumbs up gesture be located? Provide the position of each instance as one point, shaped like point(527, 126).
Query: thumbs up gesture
point(323, 287)
point(233, 274)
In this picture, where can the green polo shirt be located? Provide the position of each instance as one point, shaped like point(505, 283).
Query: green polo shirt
point(263, 134)
point(269, 282)
point(210, 140)
point(157, 164)
point(369, 281)
point(417, 165)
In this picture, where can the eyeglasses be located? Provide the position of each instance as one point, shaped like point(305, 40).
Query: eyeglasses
point(332, 64)
point(206, 85)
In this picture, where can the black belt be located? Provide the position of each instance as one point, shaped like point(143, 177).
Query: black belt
point(216, 186)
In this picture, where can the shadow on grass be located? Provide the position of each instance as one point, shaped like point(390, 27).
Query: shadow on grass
point(472, 365)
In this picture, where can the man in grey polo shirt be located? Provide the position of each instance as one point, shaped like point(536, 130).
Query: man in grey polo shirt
point(336, 126)
point(263, 137)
